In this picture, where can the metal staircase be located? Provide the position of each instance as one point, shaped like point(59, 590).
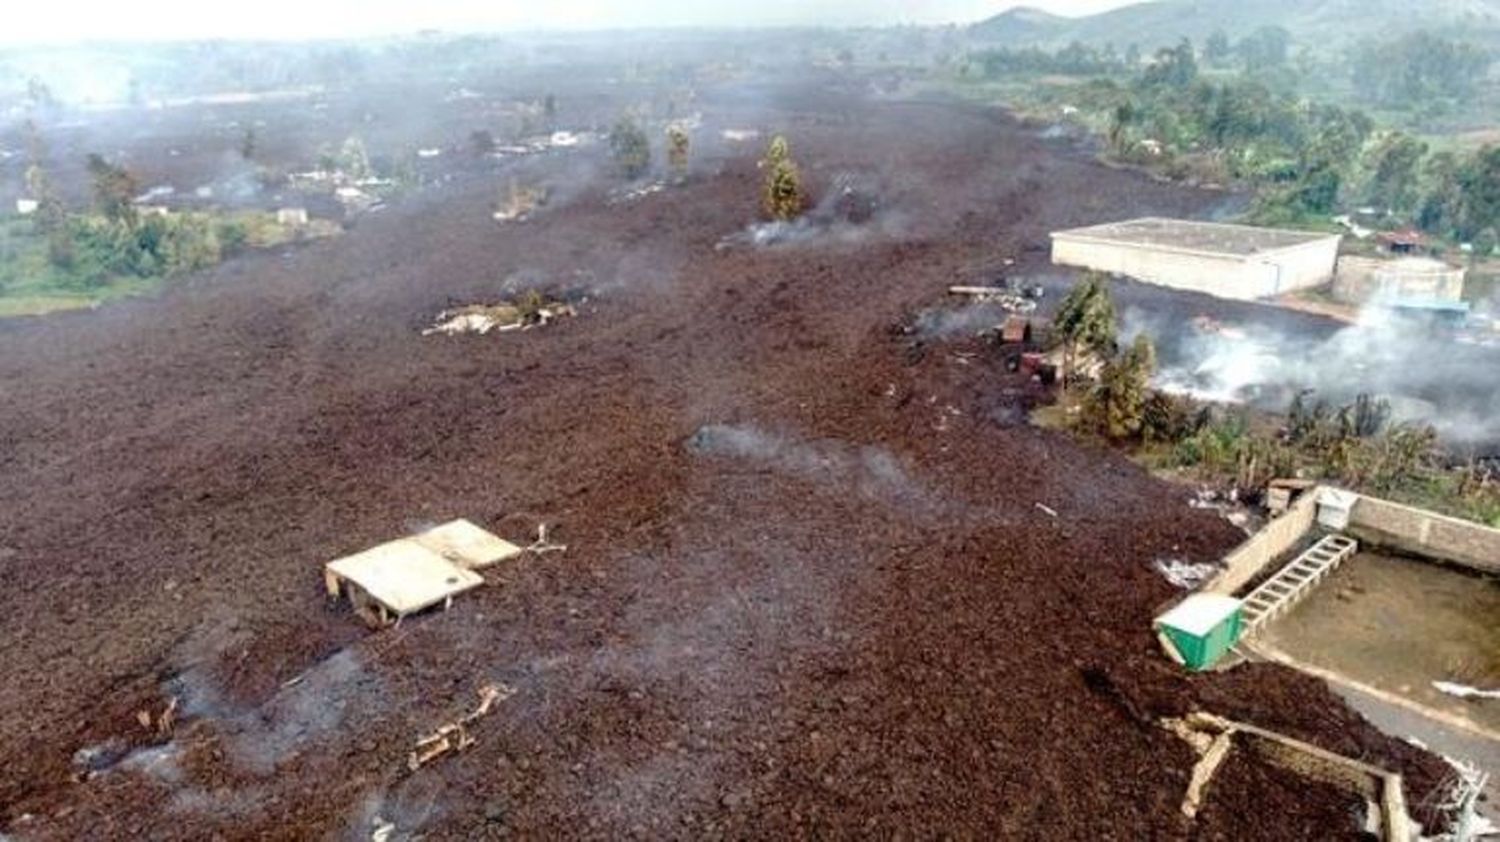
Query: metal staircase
point(1291, 583)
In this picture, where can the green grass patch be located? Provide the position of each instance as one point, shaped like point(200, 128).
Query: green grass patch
point(32, 283)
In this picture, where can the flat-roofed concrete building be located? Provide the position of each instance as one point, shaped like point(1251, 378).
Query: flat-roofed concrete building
point(1362, 279)
point(1230, 261)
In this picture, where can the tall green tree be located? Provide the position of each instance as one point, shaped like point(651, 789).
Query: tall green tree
point(1442, 206)
point(1416, 68)
point(1393, 181)
point(1216, 49)
point(115, 190)
point(630, 147)
point(1479, 180)
point(354, 160)
point(1176, 67)
point(1266, 48)
point(1116, 406)
point(781, 195)
point(1086, 321)
point(678, 146)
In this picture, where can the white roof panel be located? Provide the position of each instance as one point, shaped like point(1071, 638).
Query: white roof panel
point(466, 545)
point(405, 576)
point(1199, 613)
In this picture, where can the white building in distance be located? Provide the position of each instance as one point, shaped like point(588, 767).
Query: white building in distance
point(1230, 261)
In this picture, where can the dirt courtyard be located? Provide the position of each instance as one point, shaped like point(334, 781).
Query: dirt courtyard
point(1399, 624)
point(814, 584)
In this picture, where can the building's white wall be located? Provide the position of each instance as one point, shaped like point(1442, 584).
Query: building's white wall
point(1362, 279)
point(1307, 265)
point(1226, 277)
point(1221, 276)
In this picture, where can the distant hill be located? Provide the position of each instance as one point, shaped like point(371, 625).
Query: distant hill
point(1023, 25)
point(1163, 22)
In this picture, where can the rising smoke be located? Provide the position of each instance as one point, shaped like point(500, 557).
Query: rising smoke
point(870, 471)
point(1427, 376)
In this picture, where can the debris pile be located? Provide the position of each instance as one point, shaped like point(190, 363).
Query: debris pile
point(530, 310)
point(1184, 574)
point(1213, 739)
point(454, 736)
point(853, 202)
point(161, 725)
point(517, 202)
point(1014, 297)
point(634, 194)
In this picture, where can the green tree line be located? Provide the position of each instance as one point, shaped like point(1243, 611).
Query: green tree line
point(1306, 160)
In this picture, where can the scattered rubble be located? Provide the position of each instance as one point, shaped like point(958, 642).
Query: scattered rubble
point(1184, 574)
point(1214, 738)
point(476, 318)
point(1227, 504)
point(517, 202)
point(541, 545)
point(163, 724)
point(629, 195)
point(1012, 300)
point(531, 310)
point(454, 736)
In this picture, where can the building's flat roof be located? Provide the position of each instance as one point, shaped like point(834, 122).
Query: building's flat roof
point(1199, 613)
point(405, 576)
point(1188, 235)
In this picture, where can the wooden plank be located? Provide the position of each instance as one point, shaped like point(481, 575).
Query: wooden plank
point(1203, 772)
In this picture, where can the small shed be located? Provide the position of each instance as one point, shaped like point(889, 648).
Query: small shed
point(291, 216)
point(1402, 241)
point(1201, 629)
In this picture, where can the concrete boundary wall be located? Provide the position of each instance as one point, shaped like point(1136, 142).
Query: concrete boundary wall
point(1371, 521)
point(1424, 533)
point(1247, 560)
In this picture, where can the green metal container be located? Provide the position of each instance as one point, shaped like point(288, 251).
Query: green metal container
point(1202, 628)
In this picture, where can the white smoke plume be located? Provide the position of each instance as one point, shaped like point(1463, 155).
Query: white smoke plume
point(1428, 375)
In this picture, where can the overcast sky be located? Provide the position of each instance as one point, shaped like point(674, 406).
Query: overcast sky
point(68, 20)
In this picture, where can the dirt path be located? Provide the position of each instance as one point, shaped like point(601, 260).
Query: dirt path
point(808, 589)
